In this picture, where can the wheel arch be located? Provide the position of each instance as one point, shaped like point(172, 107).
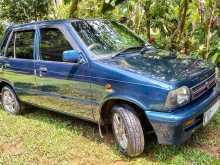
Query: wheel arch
point(105, 110)
point(6, 83)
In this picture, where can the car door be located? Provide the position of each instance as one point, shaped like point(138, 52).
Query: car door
point(62, 86)
point(17, 64)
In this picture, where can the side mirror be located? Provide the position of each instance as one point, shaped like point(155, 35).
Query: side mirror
point(73, 56)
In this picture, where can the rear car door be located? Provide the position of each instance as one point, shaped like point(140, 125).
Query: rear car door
point(62, 86)
point(18, 65)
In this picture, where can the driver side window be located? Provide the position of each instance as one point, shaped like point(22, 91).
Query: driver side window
point(53, 44)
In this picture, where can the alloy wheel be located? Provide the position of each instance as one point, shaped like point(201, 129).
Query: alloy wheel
point(120, 131)
point(9, 101)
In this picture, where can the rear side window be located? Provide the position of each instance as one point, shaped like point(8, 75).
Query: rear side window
point(4, 42)
point(53, 44)
point(21, 45)
point(10, 49)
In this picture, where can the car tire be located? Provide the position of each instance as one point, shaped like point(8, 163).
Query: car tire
point(127, 130)
point(10, 101)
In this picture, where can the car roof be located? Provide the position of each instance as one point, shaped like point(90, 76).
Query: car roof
point(49, 22)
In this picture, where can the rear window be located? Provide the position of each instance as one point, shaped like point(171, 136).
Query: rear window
point(4, 42)
point(21, 45)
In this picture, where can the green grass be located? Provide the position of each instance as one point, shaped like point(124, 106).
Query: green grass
point(42, 137)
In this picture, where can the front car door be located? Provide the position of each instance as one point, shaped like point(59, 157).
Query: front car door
point(17, 62)
point(62, 86)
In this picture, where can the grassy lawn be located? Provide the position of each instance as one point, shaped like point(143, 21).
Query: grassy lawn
point(42, 137)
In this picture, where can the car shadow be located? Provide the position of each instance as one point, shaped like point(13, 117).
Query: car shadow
point(90, 131)
point(85, 128)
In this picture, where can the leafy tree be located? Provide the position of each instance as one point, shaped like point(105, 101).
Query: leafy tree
point(187, 26)
point(73, 8)
point(24, 10)
point(109, 5)
point(1, 31)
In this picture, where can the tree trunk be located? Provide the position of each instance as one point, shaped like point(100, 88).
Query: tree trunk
point(73, 9)
point(148, 30)
point(183, 19)
point(202, 10)
point(209, 35)
point(108, 6)
point(147, 5)
point(177, 35)
point(57, 3)
point(208, 25)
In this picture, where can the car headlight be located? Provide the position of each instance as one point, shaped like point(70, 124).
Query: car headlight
point(178, 97)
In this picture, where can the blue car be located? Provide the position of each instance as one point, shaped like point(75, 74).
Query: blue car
point(99, 70)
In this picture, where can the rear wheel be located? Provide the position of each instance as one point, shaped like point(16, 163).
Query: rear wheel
point(10, 102)
point(127, 130)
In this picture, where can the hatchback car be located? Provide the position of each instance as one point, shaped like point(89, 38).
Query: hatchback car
point(101, 71)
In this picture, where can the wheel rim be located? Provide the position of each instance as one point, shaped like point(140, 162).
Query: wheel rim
point(120, 131)
point(9, 101)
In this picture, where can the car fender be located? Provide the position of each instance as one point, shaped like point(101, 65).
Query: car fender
point(123, 97)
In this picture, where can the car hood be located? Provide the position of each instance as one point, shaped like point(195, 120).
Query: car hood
point(163, 65)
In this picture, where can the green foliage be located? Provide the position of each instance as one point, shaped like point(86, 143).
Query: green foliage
point(109, 5)
point(3, 25)
point(61, 12)
point(90, 9)
point(1, 30)
point(190, 27)
point(24, 10)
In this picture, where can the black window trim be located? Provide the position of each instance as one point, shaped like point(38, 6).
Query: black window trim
point(34, 28)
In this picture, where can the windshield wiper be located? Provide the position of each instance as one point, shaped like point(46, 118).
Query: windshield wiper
point(126, 50)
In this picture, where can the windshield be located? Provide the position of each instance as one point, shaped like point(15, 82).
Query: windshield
point(106, 38)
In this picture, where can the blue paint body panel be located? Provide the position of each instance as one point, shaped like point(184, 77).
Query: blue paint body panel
point(78, 88)
point(170, 126)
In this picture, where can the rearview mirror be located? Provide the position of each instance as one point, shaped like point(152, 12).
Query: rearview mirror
point(73, 56)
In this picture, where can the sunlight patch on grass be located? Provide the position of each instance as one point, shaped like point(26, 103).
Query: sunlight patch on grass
point(43, 137)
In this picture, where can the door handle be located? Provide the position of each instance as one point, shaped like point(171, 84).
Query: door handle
point(4, 66)
point(1, 67)
point(7, 65)
point(43, 69)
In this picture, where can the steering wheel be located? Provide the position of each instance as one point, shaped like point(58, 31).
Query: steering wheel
point(92, 46)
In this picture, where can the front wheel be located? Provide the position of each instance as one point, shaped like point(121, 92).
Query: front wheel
point(127, 130)
point(10, 102)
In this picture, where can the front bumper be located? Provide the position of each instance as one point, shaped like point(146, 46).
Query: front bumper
point(170, 127)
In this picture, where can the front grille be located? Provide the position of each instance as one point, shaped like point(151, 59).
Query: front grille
point(203, 87)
